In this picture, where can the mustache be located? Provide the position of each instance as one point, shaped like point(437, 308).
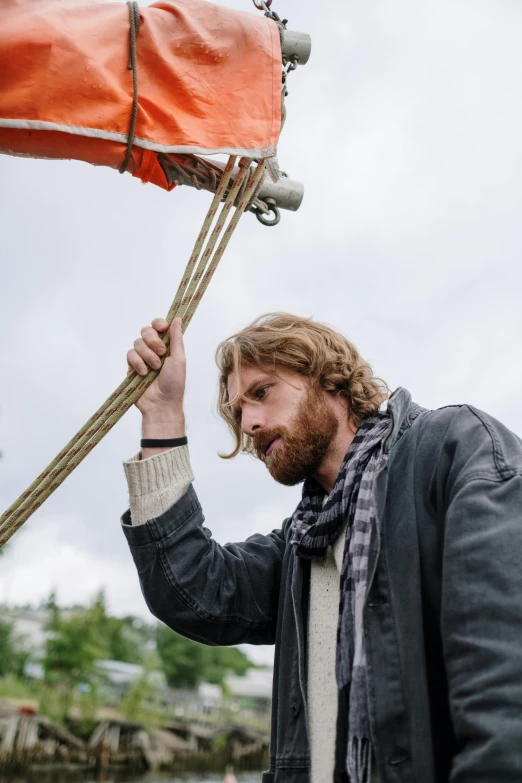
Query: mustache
point(261, 440)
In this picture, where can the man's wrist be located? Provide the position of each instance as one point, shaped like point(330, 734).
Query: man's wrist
point(163, 425)
point(160, 426)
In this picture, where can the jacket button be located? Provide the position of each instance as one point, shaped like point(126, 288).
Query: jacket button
point(399, 757)
point(294, 709)
point(376, 600)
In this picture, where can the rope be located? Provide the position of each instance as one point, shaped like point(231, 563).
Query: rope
point(203, 174)
point(242, 206)
point(134, 13)
point(129, 384)
point(190, 291)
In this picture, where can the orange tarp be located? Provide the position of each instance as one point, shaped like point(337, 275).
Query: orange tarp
point(209, 81)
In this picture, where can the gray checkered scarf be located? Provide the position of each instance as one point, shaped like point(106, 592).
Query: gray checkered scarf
point(315, 527)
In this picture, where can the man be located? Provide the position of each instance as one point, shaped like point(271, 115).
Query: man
point(393, 593)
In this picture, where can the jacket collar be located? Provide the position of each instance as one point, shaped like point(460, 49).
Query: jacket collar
point(403, 412)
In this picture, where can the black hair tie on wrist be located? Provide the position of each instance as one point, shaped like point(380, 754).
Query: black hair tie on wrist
point(154, 443)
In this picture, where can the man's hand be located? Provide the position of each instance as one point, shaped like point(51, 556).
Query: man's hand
point(162, 403)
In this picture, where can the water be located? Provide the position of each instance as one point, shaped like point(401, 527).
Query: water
point(56, 777)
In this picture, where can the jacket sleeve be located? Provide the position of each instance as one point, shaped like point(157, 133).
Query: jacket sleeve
point(218, 595)
point(481, 615)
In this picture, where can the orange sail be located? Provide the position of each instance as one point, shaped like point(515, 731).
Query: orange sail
point(209, 81)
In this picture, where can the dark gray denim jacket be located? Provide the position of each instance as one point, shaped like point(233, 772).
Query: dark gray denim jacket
point(443, 615)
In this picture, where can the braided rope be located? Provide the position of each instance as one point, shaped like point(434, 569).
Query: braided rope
point(215, 235)
point(130, 383)
point(131, 389)
point(203, 175)
point(200, 241)
point(241, 207)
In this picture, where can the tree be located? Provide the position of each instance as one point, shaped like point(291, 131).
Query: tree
point(80, 637)
point(125, 639)
point(6, 647)
point(13, 651)
point(186, 663)
point(72, 648)
point(221, 660)
point(142, 701)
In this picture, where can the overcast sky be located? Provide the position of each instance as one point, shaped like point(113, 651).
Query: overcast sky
point(406, 129)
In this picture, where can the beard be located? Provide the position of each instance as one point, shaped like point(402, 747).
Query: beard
point(304, 443)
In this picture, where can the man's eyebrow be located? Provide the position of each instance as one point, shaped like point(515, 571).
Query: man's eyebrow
point(251, 389)
point(256, 385)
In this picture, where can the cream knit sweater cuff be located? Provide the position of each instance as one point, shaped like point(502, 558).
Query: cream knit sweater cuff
point(156, 483)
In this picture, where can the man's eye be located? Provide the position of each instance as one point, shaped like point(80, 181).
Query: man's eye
point(260, 393)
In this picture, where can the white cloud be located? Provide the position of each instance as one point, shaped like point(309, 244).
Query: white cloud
point(52, 556)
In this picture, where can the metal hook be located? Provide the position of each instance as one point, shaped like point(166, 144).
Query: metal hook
point(262, 216)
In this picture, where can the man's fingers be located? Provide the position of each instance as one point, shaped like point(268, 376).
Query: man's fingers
point(153, 340)
point(147, 354)
point(177, 349)
point(160, 324)
point(135, 362)
point(149, 347)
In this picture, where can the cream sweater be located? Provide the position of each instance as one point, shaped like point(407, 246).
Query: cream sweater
point(158, 482)
point(322, 643)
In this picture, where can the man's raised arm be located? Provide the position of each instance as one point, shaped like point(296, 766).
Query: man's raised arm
point(214, 594)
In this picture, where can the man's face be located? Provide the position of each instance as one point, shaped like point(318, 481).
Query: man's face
point(291, 423)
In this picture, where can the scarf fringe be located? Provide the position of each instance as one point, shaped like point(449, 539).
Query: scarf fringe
point(359, 760)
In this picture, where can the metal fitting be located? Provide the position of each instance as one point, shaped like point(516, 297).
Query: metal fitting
point(204, 174)
point(286, 193)
point(296, 46)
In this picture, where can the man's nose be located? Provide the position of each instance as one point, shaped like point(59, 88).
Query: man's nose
point(252, 419)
